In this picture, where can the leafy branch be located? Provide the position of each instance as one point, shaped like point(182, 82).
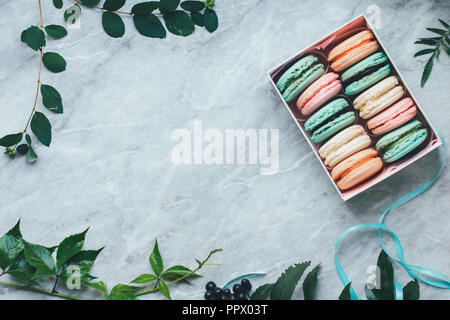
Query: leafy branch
point(443, 41)
point(29, 263)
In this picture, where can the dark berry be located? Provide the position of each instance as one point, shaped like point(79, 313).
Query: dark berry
point(233, 296)
point(218, 292)
point(227, 292)
point(210, 286)
point(241, 296)
point(246, 285)
point(209, 295)
point(223, 297)
point(237, 288)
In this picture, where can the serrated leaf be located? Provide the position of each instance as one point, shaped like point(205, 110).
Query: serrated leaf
point(39, 257)
point(149, 26)
point(21, 270)
point(156, 261)
point(99, 285)
point(69, 247)
point(310, 284)
point(123, 292)
point(84, 260)
point(179, 23)
point(193, 6)
point(113, 5)
point(58, 4)
point(262, 292)
point(145, 278)
point(162, 286)
point(31, 155)
point(11, 139)
point(345, 294)
point(445, 24)
point(198, 19)
point(286, 283)
point(15, 231)
point(54, 62)
point(145, 8)
point(211, 20)
point(436, 30)
point(166, 6)
point(411, 291)
point(176, 272)
point(113, 24)
point(34, 37)
point(42, 128)
point(22, 149)
point(51, 99)
point(427, 71)
point(10, 247)
point(56, 31)
point(90, 3)
point(424, 51)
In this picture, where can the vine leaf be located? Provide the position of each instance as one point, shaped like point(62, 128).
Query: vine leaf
point(11, 139)
point(11, 245)
point(164, 289)
point(22, 270)
point(22, 149)
point(166, 6)
point(345, 294)
point(411, 291)
point(176, 272)
point(211, 20)
point(113, 5)
point(40, 258)
point(51, 99)
point(145, 8)
point(198, 19)
point(54, 62)
point(34, 37)
point(42, 128)
point(99, 285)
point(179, 23)
point(58, 4)
point(149, 26)
point(156, 260)
point(123, 292)
point(69, 247)
point(113, 24)
point(193, 6)
point(56, 31)
point(286, 283)
point(31, 155)
point(84, 260)
point(70, 14)
point(90, 3)
point(144, 278)
point(427, 71)
point(310, 284)
point(386, 290)
point(262, 292)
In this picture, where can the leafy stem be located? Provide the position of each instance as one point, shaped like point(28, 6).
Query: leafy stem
point(101, 8)
point(47, 292)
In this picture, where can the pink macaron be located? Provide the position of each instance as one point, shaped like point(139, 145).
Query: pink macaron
point(393, 117)
point(322, 90)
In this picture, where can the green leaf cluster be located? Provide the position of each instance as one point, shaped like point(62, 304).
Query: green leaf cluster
point(442, 41)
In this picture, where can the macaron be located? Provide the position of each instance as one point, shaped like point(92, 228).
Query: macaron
point(378, 97)
point(398, 143)
point(356, 169)
point(344, 144)
point(393, 117)
point(366, 73)
point(322, 90)
point(329, 120)
point(352, 50)
point(298, 77)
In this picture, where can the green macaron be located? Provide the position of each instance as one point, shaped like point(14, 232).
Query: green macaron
point(402, 141)
point(298, 77)
point(329, 120)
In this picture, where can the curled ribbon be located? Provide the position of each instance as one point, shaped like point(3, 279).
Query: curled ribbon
point(440, 280)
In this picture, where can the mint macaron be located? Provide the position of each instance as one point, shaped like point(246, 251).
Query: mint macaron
point(398, 143)
point(298, 77)
point(366, 73)
point(329, 120)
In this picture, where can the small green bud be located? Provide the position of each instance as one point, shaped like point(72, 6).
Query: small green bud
point(12, 153)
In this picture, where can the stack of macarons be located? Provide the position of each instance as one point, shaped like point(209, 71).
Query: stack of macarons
point(359, 91)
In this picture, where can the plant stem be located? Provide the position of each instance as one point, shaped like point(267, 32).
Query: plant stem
point(47, 292)
point(56, 283)
point(201, 264)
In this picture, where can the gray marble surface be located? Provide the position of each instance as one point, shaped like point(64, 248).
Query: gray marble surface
point(109, 166)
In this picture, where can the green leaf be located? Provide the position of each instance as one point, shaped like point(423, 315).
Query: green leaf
point(411, 291)
point(369, 293)
point(34, 37)
point(42, 128)
point(11, 139)
point(164, 289)
point(436, 30)
point(429, 41)
point(69, 247)
point(422, 52)
point(51, 99)
point(123, 292)
point(286, 283)
point(15, 231)
point(179, 23)
point(31, 155)
point(58, 4)
point(28, 138)
point(446, 47)
point(310, 284)
point(211, 20)
point(177, 272)
point(198, 19)
point(10, 247)
point(23, 149)
point(156, 261)
point(71, 11)
point(113, 24)
point(145, 278)
point(55, 31)
point(40, 258)
point(166, 6)
point(445, 24)
point(84, 260)
point(149, 26)
point(90, 3)
point(54, 62)
point(262, 292)
point(427, 71)
point(21, 269)
point(113, 5)
point(193, 6)
point(99, 285)
point(145, 8)
point(345, 294)
point(386, 290)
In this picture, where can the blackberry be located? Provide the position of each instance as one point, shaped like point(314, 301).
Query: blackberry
point(245, 283)
point(237, 288)
point(209, 295)
point(210, 286)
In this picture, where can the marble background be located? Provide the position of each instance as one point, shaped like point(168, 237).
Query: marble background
point(109, 165)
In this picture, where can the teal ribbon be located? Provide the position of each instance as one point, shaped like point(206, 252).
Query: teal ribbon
point(416, 272)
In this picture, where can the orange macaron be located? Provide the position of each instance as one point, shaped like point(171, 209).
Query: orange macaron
point(357, 168)
point(352, 50)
